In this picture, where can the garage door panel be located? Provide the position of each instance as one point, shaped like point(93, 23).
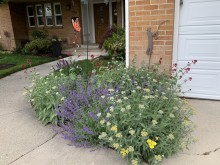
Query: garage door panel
point(200, 65)
point(199, 30)
point(203, 83)
point(201, 12)
point(199, 47)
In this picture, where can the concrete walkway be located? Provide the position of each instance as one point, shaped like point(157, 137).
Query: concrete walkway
point(25, 141)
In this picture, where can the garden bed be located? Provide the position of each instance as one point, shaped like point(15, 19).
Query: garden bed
point(135, 111)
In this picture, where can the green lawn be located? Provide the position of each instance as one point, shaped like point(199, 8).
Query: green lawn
point(21, 62)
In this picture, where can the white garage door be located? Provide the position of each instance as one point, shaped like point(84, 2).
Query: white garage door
point(199, 38)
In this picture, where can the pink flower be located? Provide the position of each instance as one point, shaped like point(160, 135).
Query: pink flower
point(194, 61)
point(92, 56)
point(190, 78)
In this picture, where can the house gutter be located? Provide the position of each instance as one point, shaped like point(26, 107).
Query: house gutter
point(127, 57)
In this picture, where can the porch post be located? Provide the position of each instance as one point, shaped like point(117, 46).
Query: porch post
point(127, 32)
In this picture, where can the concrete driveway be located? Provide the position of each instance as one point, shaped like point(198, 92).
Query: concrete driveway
point(25, 141)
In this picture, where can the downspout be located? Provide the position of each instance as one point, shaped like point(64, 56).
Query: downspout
point(127, 32)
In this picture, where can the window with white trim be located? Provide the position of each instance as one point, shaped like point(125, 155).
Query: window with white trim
point(39, 14)
point(58, 14)
point(30, 14)
point(48, 14)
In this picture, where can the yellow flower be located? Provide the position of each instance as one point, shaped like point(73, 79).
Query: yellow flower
point(151, 143)
point(114, 128)
point(144, 133)
point(118, 135)
point(124, 152)
point(134, 162)
point(116, 145)
point(158, 158)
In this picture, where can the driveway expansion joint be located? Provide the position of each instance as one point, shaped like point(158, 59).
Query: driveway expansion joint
point(33, 149)
point(205, 153)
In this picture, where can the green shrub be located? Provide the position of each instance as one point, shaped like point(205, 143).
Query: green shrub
point(115, 45)
point(37, 46)
point(37, 34)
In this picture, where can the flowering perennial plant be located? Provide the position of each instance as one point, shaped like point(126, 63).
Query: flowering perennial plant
point(135, 111)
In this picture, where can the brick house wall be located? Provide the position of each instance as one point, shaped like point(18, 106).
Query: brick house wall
point(149, 13)
point(6, 29)
point(65, 32)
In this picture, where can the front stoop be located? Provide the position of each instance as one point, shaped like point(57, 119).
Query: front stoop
point(82, 51)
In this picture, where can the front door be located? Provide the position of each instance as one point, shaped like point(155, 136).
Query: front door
point(101, 17)
point(199, 39)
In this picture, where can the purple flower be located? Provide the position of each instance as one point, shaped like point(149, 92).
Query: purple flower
point(92, 115)
point(87, 130)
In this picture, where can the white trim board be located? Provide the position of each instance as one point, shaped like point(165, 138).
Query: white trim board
point(176, 31)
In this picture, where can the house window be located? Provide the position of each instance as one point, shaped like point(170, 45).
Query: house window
point(30, 14)
point(48, 14)
point(58, 14)
point(39, 14)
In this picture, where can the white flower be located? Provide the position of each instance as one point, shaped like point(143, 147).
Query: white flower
point(118, 135)
point(54, 87)
point(151, 97)
point(122, 109)
point(47, 92)
point(31, 90)
point(103, 134)
point(163, 93)
point(154, 80)
point(160, 112)
point(158, 158)
point(147, 90)
point(165, 98)
point(171, 136)
point(111, 109)
point(110, 139)
point(141, 106)
point(154, 122)
point(112, 98)
point(131, 149)
point(57, 93)
point(172, 115)
point(119, 101)
point(102, 122)
point(32, 100)
point(61, 70)
point(122, 92)
point(116, 145)
point(108, 123)
point(103, 97)
point(132, 132)
point(99, 114)
point(62, 99)
point(111, 90)
point(133, 91)
point(108, 115)
point(128, 107)
point(125, 98)
point(146, 97)
point(138, 87)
